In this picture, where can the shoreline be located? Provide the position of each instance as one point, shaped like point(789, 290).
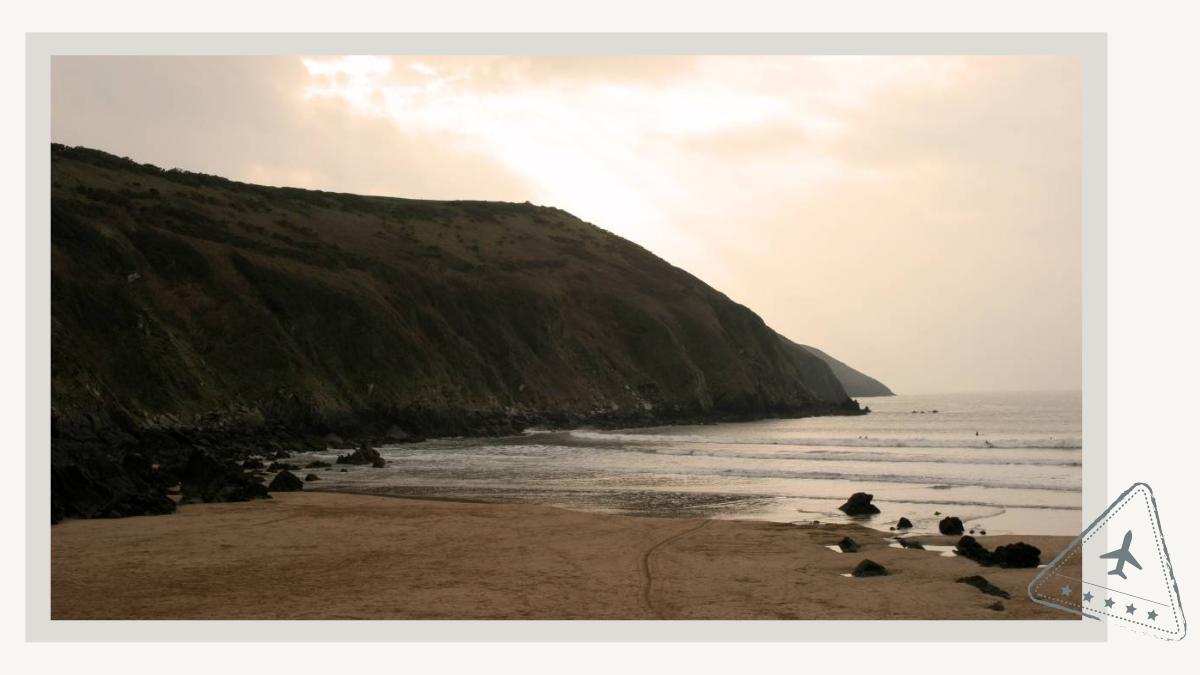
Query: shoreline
point(335, 555)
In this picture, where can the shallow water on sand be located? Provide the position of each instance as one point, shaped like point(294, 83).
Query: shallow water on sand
point(1006, 463)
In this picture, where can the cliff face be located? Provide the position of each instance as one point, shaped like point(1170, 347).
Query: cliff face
point(179, 298)
point(854, 382)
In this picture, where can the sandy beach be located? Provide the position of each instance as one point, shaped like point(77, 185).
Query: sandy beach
point(320, 555)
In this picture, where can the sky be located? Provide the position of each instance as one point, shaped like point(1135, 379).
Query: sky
point(918, 217)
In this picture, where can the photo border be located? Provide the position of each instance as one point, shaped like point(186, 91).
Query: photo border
point(1090, 48)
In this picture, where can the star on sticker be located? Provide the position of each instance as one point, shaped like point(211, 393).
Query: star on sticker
point(1108, 602)
point(1065, 590)
point(1087, 597)
point(1152, 615)
point(1130, 609)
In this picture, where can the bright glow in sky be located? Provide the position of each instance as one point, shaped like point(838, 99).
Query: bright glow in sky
point(917, 217)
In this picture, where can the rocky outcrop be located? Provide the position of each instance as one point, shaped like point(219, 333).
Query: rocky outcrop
point(206, 479)
point(859, 504)
point(103, 488)
point(363, 455)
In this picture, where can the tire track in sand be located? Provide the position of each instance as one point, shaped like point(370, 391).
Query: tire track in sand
point(648, 577)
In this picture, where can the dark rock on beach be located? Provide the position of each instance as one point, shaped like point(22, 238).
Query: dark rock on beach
point(206, 479)
point(903, 523)
point(848, 545)
point(859, 504)
point(984, 585)
point(911, 544)
point(968, 548)
point(1019, 554)
point(869, 568)
point(950, 525)
point(281, 466)
point(252, 463)
point(317, 464)
point(365, 454)
point(996, 606)
point(285, 481)
point(311, 477)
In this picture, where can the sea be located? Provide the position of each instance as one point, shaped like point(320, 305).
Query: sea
point(1005, 463)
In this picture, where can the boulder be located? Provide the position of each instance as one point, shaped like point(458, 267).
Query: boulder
point(848, 545)
point(869, 568)
point(252, 463)
point(911, 544)
point(903, 523)
point(984, 585)
point(1019, 554)
point(378, 463)
point(859, 504)
point(311, 477)
point(285, 481)
point(950, 525)
point(205, 479)
point(365, 454)
point(968, 548)
point(281, 466)
point(317, 464)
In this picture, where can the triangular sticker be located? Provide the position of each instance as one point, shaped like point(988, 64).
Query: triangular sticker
point(1118, 570)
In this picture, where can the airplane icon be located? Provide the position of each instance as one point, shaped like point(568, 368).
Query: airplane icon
point(1122, 556)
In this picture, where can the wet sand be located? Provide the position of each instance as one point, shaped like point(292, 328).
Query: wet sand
point(314, 555)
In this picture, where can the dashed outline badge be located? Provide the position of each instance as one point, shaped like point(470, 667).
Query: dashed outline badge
point(1125, 574)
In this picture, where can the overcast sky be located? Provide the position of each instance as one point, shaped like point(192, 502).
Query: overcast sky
point(916, 217)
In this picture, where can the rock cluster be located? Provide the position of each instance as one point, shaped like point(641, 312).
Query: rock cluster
point(206, 479)
point(365, 454)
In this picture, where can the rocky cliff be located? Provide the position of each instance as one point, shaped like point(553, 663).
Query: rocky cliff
point(854, 382)
point(184, 303)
